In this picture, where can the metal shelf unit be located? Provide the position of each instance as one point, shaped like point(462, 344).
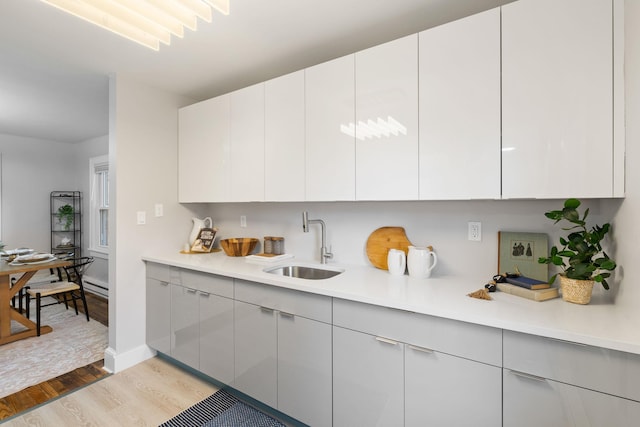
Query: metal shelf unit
point(66, 223)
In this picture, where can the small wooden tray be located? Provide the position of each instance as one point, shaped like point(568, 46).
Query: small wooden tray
point(193, 253)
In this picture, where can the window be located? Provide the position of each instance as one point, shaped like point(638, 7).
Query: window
point(99, 216)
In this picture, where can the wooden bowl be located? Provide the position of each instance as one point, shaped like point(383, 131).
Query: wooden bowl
point(240, 246)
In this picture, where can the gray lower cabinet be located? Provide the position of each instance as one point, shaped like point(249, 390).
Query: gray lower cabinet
point(283, 350)
point(304, 369)
point(202, 322)
point(558, 383)
point(216, 336)
point(158, 321)
point(190, 317)
point(256, 354)
point(368, 380)
point(531, 401)
point(393, 367)
point(441, 390)
point(185, 330)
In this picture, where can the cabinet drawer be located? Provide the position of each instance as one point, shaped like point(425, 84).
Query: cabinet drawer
point(595, 368)
point(317, 307)
point(535, 402)
point(475, 342)
point(207, 282)
point(158, 271)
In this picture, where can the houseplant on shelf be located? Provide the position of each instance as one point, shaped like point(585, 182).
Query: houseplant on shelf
point(581, 257)
point(65, 216)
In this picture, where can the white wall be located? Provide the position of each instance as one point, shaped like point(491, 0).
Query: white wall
point(438, 223)
point(31, 170)
point(99, 270)
point(143, 133)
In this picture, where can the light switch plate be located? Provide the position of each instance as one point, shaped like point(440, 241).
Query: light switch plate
point(141, 217)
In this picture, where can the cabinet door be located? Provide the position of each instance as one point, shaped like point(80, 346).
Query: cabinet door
point(304, 369)
point(204, 164)
point(557, 87)
point(158, 301)
point(329, 116)
point(284, 138)
point(246, 130)
point(256, 352)
point(185, 331)
point(534, 401)
point(216, 337)
point(460, 109)
point(368, 380)
point(386, 126)
point(446, 390)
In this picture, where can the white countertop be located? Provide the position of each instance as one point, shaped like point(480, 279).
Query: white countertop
point(598, 323)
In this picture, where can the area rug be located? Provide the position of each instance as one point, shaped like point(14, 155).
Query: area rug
point(221, 409)
point(73, 343)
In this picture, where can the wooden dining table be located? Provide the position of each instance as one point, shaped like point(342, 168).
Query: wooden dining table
point(7, 292)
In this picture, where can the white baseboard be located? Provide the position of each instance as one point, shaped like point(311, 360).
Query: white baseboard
point(96, 286)
point(116, 362)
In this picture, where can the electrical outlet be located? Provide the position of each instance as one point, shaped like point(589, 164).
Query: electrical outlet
point(475, 231)
point(159, 209)
point(243, 221)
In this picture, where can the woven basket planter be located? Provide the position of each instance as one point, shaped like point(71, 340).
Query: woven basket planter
point(576, 291)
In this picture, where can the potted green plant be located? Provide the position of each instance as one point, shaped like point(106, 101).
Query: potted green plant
point(65, 216)
point(581, 257)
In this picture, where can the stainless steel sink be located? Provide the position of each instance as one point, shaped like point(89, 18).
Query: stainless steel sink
point(304, 272)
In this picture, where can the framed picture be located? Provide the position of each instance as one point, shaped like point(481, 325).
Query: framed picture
point(520, 252)
point(204, 241)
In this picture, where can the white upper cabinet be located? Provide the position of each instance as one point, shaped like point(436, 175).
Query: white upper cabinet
point(330, 147)
point(386, 125)
point(284, 138)
point(460, 109)
point(246, 129)
point(204, 164)
point(557, 99)
point(521, 101)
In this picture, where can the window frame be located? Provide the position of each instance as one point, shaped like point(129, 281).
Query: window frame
point(98, 182)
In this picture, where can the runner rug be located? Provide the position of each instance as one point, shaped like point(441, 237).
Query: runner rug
point(222, 409)
point(73, 343)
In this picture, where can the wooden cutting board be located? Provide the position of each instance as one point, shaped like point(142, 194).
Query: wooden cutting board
point(383, 239)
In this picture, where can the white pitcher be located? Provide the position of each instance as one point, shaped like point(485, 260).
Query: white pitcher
point(396, 262)
point(197, 225)
point(421, 261)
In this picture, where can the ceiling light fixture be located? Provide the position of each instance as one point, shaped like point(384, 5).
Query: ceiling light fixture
point(148, 22)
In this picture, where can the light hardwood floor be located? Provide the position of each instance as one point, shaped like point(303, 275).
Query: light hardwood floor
point(146, 394)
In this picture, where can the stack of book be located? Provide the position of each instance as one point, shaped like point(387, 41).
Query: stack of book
point(527, 287)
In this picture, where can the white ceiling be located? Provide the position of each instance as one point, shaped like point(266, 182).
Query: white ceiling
point(54, 67)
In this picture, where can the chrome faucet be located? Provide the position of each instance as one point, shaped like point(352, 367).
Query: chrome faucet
point(324, 253)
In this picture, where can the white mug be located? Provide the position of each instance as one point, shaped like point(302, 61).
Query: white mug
point(421, 261)
point(396, 261)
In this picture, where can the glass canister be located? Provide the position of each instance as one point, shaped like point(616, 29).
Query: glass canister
point(268, 245)
point(278, 245)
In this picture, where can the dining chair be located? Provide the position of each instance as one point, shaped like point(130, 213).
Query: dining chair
point(69, 286)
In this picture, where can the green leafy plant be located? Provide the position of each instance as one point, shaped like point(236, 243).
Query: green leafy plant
point(581, 256)
point(65, 216)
